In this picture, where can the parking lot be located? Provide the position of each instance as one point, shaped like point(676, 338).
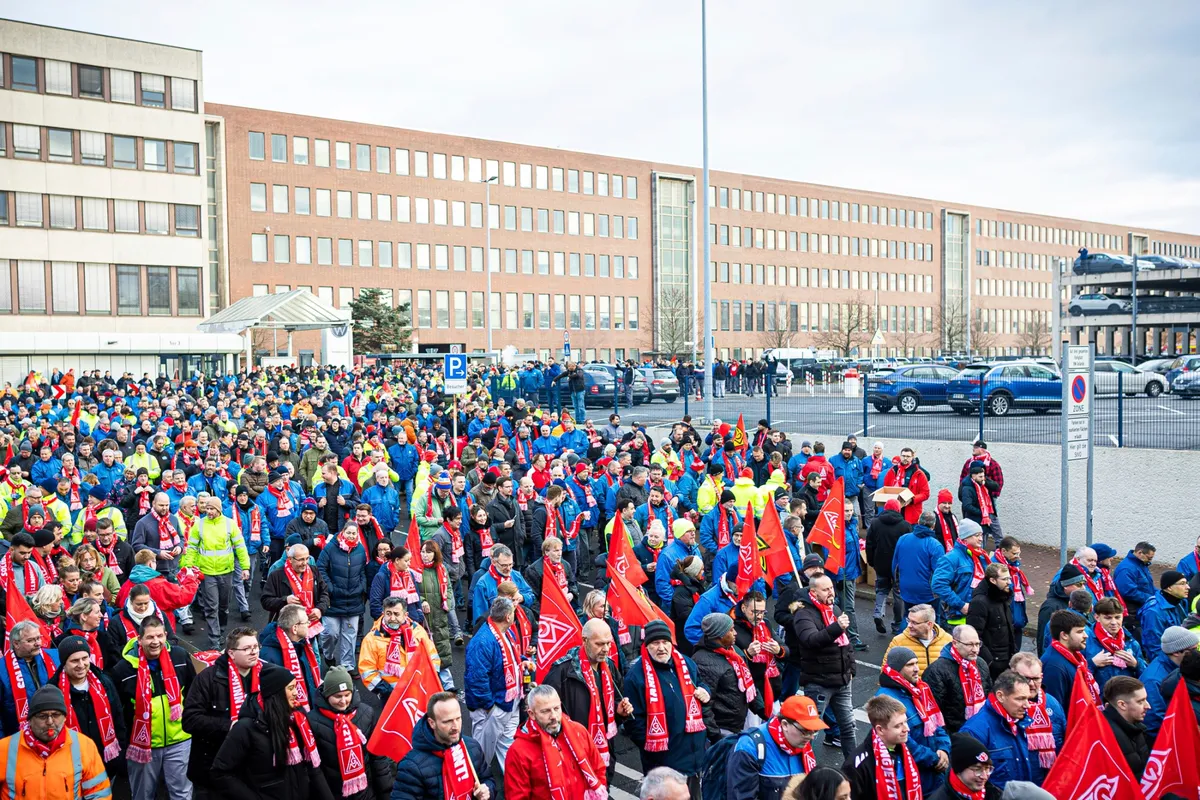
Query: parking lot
point(1164, 422)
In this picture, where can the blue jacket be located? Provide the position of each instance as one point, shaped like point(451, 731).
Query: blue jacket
point(591, 512)
point(216, 486)
point(1153, 676)
point(869, 483)
point(685, 751)
point(688, 486)
point(272, 654)
point(404, 460)
point(1058, 719)
point(712, 601)
point(1134, 581)
point(1103, 674)
point(851, 470)
point(273, 520)
point(344, 488)
point(750, 778)
point(8, 715)
point(917, 554)
point(670, 554)
point(108, 475)
point(41, 470)
point(1156, 616)
point(795, 464)
point(546, 445)
point(346, 576)
point(385, 505)
point(663, 514)
point(486, 591)
point(1011, 756)
point(575, 440)
point(483, 681)
point(1058, 675)
point(952, 578)
point(852, 569)
point(1186, 565)
point(381, 588)
point(923, 748)
point(710, 526)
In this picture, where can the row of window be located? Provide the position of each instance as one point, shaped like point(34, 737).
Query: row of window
point(767, 316)
point(1015, 260)
point(67, 287)
point(440, 166)
point(1174, 249)
point(1040, 233)
point(365, 206)
point(812, 277)
point(47, 76)
point(1012, 320)
point(95, 149)
point(799, 241)
point(793, 206)
point(63, 212)
point(990, 287)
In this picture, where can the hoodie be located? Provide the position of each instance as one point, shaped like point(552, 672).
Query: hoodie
point(913, 561)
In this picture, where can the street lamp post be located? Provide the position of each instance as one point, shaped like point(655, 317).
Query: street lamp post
point(707, 347)
point(487, 255)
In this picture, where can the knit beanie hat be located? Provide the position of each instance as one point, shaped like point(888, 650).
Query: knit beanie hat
point(727, 495)
point(1070, 575)
point(1170, 578)
point(969, 527)
point(47, 698)
point(1023, 790)
point(693, 566)
point(1176, 639)
point(944, 496)
point(966, 750)
point(715, 625)
point(273, 679)
point(336, 680)
point(655, 631)
point(71, 645)
point(443, 481)
point(899, 656)
point(892, 505)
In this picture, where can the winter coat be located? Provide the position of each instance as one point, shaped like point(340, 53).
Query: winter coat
point(685, 751)
point(245, 768)
point(372, 656)
point(437, 620)
point(991, 615)
point(1131, 738)
point(990, 792)
point(952, 578)
point(668, 557)
point(915, 557)
point(273, 654)
point(419, 773)
point(206, 718)
point(1056, 600)
point(1134, 581)
point(345, 576)
point(525, 776)
point(859, 770)
point(1156, 616)
point(729, 704)
point(76, 769)
point(687, 593)
point(1104, 674)
point(566, 676)
point(822, 660)
point(334, 515)
point(1011, 756)
point(276, 590)
point(535, 573)
point(883, 534)
point(89, 725)
point(380, 769)
point(924, 748)
point(32, 683)
point(501, 510)
point(710, 527)
point(163, 730)
point(385, 505)
point(926, 654)
point(1154, 677)
point(917, 482)
point(486, 590)
point(483, 680)
point(750, 778)
point(942, 677)
point(714, 600)
point(850, 469)
point(969, 497)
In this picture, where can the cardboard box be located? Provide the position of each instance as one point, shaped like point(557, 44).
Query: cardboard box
point(902, 493)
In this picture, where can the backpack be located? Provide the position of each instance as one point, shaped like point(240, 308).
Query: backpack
point(712, 777)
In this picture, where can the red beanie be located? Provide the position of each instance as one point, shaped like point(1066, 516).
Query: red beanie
point(944, 496)
point(746, 473)
point(892, 505)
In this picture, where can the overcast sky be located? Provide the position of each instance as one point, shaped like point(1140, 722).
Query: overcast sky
point(1084, 109)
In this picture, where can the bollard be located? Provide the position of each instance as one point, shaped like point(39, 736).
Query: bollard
point(616, 396)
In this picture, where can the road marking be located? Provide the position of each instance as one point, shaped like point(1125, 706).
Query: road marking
point(847, 412)
point(621, 794)
point(863, 431)
point(1172, 410)
point(1114, 440)
point(629, 772)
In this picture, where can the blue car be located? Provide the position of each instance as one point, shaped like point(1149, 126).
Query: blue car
point(1005, 387)
point(910, 387)
point(1181, 365)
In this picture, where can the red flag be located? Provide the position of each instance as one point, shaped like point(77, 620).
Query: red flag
point(413, 543)
point(620, 555)
point(630, 605)
point(405, 705)
point(75, 413)
point(777, 559)
point(17, 610)
point(559, 628)
point(750, 567)
point(1091, 764)
point(739, 436)
point(1174, 764)
point(1081, 695)
point(829, 530)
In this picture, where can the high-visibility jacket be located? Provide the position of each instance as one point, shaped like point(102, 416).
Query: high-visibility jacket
point(108, 512)
point(75, 771)
point(709, 494)
point(13, 494)
point(212, 546)
point(58, 508)
point(745, 493)
point(144, 460)
point(372, 657)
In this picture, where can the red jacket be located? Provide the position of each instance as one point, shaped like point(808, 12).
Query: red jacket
point(166, 595)
point(916, 482)
point(525, 766)
point(820, 465)
point(352, 466)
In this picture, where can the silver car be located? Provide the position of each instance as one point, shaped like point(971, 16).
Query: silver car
point(1111, 375)
point(663, 384)
point(1097, 303)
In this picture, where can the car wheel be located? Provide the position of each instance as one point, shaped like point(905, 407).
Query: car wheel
point(907, 403)
point(1114, 308)
point(1076, 311)
point(881, 408)
point(1153, 389)
point(999, 404)
point(670, 399)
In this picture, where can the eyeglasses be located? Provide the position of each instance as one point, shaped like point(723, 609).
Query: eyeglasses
point(252, 648)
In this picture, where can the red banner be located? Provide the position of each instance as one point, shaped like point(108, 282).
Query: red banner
point(1091, 765)
point(829, 530)
point(559, 628)
point(750, 567)
point(1174, 763)
point(392, 736)
point(620, 555)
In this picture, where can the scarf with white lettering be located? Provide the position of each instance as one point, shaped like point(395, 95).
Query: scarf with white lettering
point(886, 783)
point(140, 738)
point(573, 735)
point(971, 681)
point(657, 735)
point(101, 708)
point(350, 753)
point(923, 700)
point(237, 689)
point(602, 722)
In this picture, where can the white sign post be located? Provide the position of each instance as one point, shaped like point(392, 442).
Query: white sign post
point(454, 380)
point(1076, 430)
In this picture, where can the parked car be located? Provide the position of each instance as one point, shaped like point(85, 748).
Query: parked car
point(1181, 365)
point(1159, 365)
point(641, 389)
point(1162, 262)
point(1113, 376)
point(909, 387)
point(1097, 303)
point(1177, 304)
point(1186, 385)
point(800, 368)
point(1106, 262)
point(1005, 387)
point(663, 384)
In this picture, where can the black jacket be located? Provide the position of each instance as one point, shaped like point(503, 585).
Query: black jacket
point(882, 534)
point(990, 792)
point(124, 677)
point(728, 704)
point(822, 660)
point(419, 773)
point(640, 495)
point(500, 511)
point(758, 669)
point(1132, 738)
point(380, 770)
point(990, 614)
point(277, 588)
point(534, 574)
point(785, 605)
point(686, 591)
point(89, 726)
point(566, 676)
point(943, 680)
point(206, 717)
point(859, 769)
point(245, 768)
point(1056, 600)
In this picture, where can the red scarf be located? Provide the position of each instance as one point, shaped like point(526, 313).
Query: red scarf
point(557, 572)
point(187, 523)
point(589, 500)
point(443, 581)
point(1094, 586)
point(283, 501)
point(984, 498)
point(73, 496)
point(1082, 665)
point(295, 754)
point(977, 556)
point(775, 728)
point(524, 449)
point(401, 643)
point(961, 789)
point(600, 730)
point(524, 499)
point(458, 773)
point(554, 522)
point(456, 541)
point(401, 584)
point(91, 514)
point(1106, 640)
point(42, 749)
point(32, 584)
point(301, 587)
point(828, 618)
point(139, 740)
point(237, 689)
point(93, 641)
point(744, 678)
point(485, 540)
point(1110, 587)
point(886, 783)
point(168, 537)
point(144, 500)
point(947, 534)
point(1040, 732)
point(350, 753)
point(512, 666)
point(255, 525)
point(1020, 584)
point(574, 736)
point(972, 683)
point(876, 468)
point(521, 632)
point(16, 679)
point(110, 556)
point(657, 735)
point(101, 707)
point(291, 661)
point(47, 565)
point(723, 535)
point(923, 700)
point(762, 635)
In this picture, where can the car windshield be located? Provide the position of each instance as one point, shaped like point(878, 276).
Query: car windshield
point(663, 373)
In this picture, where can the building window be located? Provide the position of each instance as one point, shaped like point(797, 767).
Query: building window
point(321, 152)
point(126, 217)
point(158, 291)
point(424, 319)
point(187, 280)
point(24, 74)
point(64, 287)
point(362, 157)
point(129, 290)
point(27, 142)
point(124, 152)
point(323, 203)
point(62, 145)
point(184, 157)
point(258, 248)
point(95, 214)
point(258, 197)
point(403, 255)
point(303, 250)
point(343, 204)
point(300, 150)
point(97, 293)
point(302, 199)
point(385, 254)
point(442, 301)
point(187, 220)
point(62, 212)
point(31, 287)
point(279, 199)
point(120, 86)
point(29, 210)
point(154, 155)
point(556, 179)
point(573, 181)
point(282, 249)
point(154, 89)
point(324, 251)
point(341, 155)
point(279, 148)
point(345, 252)
point(420, 164)
point(258, 146)
point(401, 161)
point(91, 82)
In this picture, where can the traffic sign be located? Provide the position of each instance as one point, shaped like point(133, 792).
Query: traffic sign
point(1079, 394)
point(566, 344)
point(1078, 451)
point(1077, 358)
point(877, 340)
point(454, 373)
point(1077, 429)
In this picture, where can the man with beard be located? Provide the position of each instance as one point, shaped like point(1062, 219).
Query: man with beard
point(552, 755)
point(826, 656)
point(508, 522)
point(991, 615)
point(1064, 658)
point(908, 474)
point(437, 740)
point(959, 681)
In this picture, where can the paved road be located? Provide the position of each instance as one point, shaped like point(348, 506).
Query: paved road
point(1165, 422)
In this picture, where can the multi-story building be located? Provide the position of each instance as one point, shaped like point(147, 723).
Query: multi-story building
point(103, 263)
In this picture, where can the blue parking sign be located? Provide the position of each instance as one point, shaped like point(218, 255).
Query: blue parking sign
point(454, 372)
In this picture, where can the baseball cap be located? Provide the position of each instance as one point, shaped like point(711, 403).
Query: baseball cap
point(802, 711)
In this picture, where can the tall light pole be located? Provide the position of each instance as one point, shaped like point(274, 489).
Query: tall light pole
point(487, 255)
point(708, 334)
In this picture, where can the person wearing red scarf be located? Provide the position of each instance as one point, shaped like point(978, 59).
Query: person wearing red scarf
point(764, 652)
point(553, 756)
point(492, 681)
point(724, 669)
point(945, 524)
point(152, 679)
point(551, 566)
point(443, 764)
point(970, 769)
point(1111, 649)
point(388, 646)
point(46, 759)
point(1005, 730)
point(883, 768)
point(786, 744)
point(341, 723)
point(1064, 658)
point(977, 496)
point(928, 741)
point(94, 707)
point(27, 666)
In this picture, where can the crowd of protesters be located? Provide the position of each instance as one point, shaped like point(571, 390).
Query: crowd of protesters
point(340, 502)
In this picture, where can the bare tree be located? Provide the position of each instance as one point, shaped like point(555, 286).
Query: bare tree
point(1035, 340)
point(983, 339)
point(851, 329)
point(674, 322)
point(949, 326)
point(780, 334)
point(911, 337)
